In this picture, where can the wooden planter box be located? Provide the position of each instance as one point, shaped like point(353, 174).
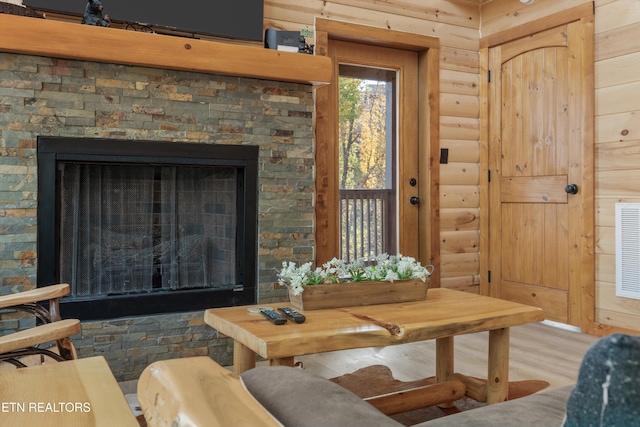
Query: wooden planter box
point(360, 293)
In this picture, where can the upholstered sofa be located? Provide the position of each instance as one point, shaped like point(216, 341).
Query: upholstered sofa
point(198, 392)
point(297, 398)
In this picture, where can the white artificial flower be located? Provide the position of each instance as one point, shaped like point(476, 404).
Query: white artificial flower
point(391, 276)
point(385, 268)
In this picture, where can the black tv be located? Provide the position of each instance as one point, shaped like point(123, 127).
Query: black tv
point(237, 19)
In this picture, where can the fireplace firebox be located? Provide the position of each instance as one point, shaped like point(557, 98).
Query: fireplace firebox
point(142, 227)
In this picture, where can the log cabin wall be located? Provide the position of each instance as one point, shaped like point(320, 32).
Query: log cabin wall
point(456, 23)
point(617, 150)
point(459, 24)
point(617, 68)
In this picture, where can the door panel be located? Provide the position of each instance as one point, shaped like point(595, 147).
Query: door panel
point(534, 245)
point(554, 37)
point(537, 147)
point(535, 189)
point(534, 113)
point(554, 302)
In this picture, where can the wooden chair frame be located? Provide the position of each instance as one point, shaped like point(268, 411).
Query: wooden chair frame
point(50, 327)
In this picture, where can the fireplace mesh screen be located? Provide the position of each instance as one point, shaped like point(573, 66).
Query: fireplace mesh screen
point(144, 228)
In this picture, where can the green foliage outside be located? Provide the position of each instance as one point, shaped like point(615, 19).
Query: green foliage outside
point(362, 134)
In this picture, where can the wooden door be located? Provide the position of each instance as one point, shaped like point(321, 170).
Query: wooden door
point(541, 143)
point(405, 64)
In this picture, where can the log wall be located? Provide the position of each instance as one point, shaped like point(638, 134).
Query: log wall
point(456, 23)
point(459, 24)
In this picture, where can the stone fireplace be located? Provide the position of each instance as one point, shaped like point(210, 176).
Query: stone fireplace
point(147, 227)
point(45, 97)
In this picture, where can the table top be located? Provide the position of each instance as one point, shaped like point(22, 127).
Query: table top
point(82, 393)
point(443, 313)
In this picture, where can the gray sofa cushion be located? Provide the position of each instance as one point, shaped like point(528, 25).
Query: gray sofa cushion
point(607, 392)
point(300, 399)
point(544, 409)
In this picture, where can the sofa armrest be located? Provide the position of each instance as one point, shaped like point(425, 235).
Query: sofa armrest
point(196, 391)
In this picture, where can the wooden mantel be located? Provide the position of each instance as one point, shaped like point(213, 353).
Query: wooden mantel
point(42, 37)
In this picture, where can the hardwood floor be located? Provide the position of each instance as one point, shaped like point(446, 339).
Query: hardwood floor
point(538, 351)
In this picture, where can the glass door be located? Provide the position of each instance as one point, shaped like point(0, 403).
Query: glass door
point(367, 154)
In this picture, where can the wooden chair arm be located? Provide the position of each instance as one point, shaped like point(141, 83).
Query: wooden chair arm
point(197, 392)
point(34, 295)
point(38, 335)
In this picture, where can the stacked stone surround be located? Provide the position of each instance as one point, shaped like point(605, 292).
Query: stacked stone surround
point(53, 97)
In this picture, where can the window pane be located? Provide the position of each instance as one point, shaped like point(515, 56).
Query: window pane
point(366, 157)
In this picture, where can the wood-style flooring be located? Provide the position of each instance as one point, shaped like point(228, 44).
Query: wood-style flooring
point(538, 351)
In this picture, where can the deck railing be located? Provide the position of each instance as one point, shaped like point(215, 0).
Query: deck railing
point(367, 226)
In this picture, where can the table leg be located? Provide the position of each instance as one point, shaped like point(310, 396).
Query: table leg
point(284, 361)
point(444, 363)
point(498, 375)
point(243, 358)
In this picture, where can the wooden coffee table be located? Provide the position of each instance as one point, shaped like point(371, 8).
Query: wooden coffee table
point(444, 314)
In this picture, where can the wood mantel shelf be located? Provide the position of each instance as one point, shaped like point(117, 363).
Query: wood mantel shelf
point(42, 37)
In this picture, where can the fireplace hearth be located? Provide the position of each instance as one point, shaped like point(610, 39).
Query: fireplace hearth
point(147, 227)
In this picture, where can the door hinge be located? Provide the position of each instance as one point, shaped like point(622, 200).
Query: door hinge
point(489, 76)
point(489, 176)
point(489, 276)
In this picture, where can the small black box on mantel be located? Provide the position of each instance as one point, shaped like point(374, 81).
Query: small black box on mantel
point(282, 40)
point(16, 9)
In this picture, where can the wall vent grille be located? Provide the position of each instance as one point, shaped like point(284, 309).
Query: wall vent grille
point(628, 250)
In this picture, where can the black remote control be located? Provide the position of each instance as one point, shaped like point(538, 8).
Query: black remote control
point(275, 318)
point(292, 314)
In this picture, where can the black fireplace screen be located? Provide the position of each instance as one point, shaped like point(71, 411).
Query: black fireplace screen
point(128, 226)
point(132, 229)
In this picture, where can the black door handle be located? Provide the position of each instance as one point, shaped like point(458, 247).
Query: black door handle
point(414, 200)
point(571, 189)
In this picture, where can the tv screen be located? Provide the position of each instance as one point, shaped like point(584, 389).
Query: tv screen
point(238, 19)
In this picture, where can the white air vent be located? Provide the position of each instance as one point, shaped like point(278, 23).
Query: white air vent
point(628, 250)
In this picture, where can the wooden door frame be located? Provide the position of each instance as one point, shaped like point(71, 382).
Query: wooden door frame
point(327, 193)
point(583, 289)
